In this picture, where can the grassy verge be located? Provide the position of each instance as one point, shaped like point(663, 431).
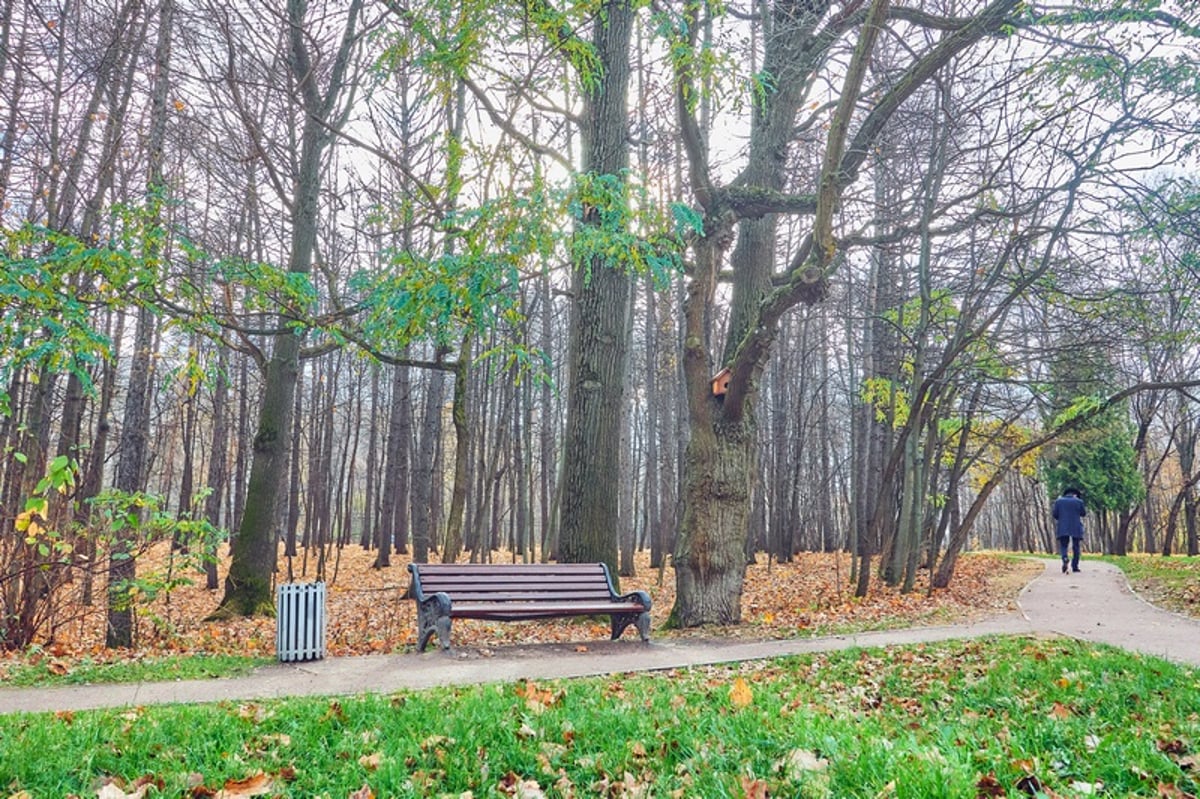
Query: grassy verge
point(999, 717)
point(1172, 583)
point(49, 671)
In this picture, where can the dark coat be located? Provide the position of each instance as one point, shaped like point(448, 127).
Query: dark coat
point(1069, 511)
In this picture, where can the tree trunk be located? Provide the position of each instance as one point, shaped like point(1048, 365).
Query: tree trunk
point(600, 332)
point(710, 556)
point(248, 585)
point(135, 427)
point(462, 456)
point(218, 463)
point(394, 488)
point(423, 476)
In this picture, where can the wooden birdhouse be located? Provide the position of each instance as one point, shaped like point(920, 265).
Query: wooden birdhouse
point(720, 382)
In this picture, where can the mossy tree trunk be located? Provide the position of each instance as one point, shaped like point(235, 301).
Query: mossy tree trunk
point(253, 556)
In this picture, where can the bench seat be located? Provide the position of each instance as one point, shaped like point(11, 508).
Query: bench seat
point(520, 592)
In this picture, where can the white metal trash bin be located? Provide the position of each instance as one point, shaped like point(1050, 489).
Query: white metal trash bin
point(300, 621)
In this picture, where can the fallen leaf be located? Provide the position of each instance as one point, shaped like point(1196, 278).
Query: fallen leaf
point(754, 788)
point(434, 741)
point(1031, 785)
point(254, 785)
point(371, 761)
point(114, 788)
point(988, 785)
point(512, 785)
point(740, 694)
point(1060, 711)
point(1170, 791)
point(798, 762)
point(364, 792)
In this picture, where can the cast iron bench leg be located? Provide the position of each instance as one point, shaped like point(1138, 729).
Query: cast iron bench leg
point(433, 616)
point(642, 619)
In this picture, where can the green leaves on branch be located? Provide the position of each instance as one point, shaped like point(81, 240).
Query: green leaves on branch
point(131, 523)
point(701, 69)
point(887, 399)
point(620, 227)
point(1082, 406)
point(445, 40)
point(52, 284)
point(472, 284)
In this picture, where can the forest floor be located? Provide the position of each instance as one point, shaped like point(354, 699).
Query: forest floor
point(367, 612)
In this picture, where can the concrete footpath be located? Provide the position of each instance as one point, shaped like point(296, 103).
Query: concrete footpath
point(1093, 605)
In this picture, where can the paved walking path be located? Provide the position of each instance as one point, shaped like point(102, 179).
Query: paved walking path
point(1094, 605)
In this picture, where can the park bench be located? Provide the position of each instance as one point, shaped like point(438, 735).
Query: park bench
point(520, 592)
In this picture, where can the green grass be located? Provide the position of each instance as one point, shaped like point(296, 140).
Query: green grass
point(38, 671)
point(959, 719)
point(1172, 582)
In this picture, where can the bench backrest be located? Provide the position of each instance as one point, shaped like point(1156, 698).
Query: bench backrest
point(517, 582)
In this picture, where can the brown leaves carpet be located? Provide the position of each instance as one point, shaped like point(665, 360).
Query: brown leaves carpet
point(367, 612)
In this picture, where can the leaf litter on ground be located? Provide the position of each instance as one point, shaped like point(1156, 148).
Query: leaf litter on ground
point(367, 612)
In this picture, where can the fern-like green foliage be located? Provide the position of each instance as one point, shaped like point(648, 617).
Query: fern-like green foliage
point(618, 226)
point(51, 283)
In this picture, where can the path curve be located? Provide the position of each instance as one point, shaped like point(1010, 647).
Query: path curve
point(1094, 605)
point(1097, 604)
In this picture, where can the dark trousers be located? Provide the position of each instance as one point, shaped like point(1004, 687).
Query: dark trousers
point(1063, 542)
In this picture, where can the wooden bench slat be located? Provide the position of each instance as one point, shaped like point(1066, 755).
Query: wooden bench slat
point(485, 585)
point(514, 592)
point(542, 608)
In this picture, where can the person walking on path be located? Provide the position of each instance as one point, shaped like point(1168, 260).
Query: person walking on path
point(1069, 511)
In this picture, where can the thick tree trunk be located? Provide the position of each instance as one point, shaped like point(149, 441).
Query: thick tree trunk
point(710, 557)
point(600, 340)
point(248, 585)
point(253, 554)
point(131, 453)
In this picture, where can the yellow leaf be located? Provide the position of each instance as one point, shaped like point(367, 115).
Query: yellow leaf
point(740, 694)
